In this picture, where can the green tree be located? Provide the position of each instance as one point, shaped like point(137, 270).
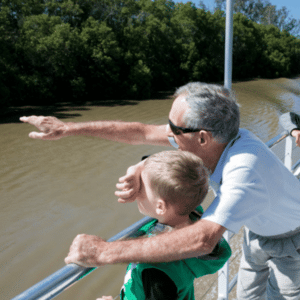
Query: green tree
point(246, 47)
point(58, 50)
point(263, 12)
point(102, 59)
point(201, 41)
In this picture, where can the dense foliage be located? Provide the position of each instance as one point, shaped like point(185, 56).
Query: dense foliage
point(262, 12)
point(59, 50)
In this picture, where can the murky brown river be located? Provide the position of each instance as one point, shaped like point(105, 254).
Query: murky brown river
point(52, 190)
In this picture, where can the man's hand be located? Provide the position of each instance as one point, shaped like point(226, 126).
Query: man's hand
point(105, 298)
point(50, 127)
point(85, 250)
point(296, 135)
point(130, 183)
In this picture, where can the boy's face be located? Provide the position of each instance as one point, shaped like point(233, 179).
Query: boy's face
point(147, 200)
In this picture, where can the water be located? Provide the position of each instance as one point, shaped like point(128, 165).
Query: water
point(52, 190)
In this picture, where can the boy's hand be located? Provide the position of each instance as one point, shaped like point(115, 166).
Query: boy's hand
point(105, 298)
point(296, 135)
point(130, 184)
point(50, 127)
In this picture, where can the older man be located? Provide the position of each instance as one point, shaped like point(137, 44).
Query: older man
point(252, 188)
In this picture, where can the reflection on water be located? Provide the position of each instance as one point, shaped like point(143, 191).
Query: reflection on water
point(52, 190)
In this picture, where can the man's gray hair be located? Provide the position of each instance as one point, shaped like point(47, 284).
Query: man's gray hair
point(212, 107)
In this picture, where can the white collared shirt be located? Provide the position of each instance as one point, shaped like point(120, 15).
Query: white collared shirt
point(253, 188)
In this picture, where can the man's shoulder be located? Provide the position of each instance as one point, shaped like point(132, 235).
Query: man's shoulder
point(248, 153)
point(247, 143)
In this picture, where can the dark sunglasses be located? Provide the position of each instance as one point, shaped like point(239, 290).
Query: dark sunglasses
point(178, 130)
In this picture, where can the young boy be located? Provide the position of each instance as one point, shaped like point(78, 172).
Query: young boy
point(173, 185)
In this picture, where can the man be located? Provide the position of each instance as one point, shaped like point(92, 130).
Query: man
point(204, 119)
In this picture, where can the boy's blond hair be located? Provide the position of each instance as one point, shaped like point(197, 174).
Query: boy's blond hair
point(179, 178)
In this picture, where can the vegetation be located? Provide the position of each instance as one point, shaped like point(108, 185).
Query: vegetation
point(69, 50)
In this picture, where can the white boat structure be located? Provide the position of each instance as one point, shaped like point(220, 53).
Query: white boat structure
point(56, 283)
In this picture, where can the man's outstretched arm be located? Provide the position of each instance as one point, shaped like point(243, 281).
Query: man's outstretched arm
point(50, 128)
point(191, 241)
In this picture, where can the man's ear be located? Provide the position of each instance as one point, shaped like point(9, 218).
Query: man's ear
point(161, 207)
point(204, 137)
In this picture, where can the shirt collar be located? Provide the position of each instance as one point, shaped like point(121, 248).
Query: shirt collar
point(216, 176)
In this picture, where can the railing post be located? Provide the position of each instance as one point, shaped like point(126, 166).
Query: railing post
point(228, 45)
point(223, 279)
point(223, 276)
point(288, 152)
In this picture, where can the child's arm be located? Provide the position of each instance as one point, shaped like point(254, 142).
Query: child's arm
point(158, 285)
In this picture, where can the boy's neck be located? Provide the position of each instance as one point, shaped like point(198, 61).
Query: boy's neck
point(179, 221)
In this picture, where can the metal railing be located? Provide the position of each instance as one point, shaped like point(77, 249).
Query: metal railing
point(56, 283)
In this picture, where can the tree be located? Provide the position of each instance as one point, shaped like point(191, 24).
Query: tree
point(247, 43)
point(263, 12)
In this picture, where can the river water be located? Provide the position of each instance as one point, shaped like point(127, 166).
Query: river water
point(53, 190)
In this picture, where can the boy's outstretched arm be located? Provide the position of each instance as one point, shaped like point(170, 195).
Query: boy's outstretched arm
point(191, 241)
point(50, 128)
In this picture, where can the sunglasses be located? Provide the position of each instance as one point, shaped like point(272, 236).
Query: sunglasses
point(178, 130)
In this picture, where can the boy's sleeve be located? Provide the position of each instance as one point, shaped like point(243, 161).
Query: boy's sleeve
point(158, 285)
point(290, 121)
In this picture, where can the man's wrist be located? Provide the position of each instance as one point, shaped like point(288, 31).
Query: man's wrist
point(73, 128)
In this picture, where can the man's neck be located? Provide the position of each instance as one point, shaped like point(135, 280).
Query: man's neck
point(212, 159)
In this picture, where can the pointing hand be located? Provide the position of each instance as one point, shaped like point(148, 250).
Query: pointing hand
point(50, 127)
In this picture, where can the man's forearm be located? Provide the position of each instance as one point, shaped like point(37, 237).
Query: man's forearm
point(126, 132)
point(184, 243)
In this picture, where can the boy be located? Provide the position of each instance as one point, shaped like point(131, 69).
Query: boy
point(173, 185)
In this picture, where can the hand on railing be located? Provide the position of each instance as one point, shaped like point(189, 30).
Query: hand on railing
point(85, 251)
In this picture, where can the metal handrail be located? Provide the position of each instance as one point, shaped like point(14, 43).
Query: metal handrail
point(63, 278)
point(277, 139)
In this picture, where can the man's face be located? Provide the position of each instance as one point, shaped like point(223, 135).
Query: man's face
point(185, 141)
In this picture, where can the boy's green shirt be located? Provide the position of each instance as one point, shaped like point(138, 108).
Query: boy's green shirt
point(182, 272)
